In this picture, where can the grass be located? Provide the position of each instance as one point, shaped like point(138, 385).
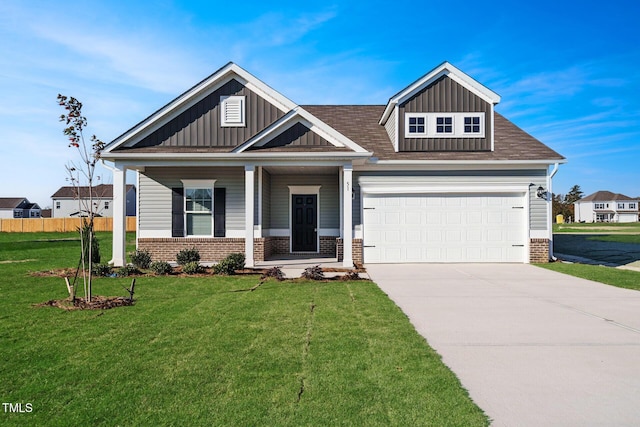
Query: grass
point(598, 227)
point(193, 351)
point(611, 276)
point(619, 238)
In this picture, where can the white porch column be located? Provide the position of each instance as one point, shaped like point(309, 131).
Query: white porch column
point(347, 223)
point(119, 216)
point(249, 176)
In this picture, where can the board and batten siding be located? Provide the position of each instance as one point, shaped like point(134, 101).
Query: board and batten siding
point(445, 96)
point(199, 126)
point(537, 206)
point(155, 194)
point(329, 200)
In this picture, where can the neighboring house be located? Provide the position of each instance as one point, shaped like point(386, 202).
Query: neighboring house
point(66, 203)
point(18, 207)
point(605, 206)
point(435, 175)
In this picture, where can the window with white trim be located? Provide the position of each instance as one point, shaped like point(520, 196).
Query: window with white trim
point(106, 205)
point(632, 205)
point(620, 205)
point(598, 205)
point(198, 211)
point(57, 205)
point(472, 125)
point(232, 111)
point(415, 125)
point(444, 124)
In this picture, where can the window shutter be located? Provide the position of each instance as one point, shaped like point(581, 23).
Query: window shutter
point(219, 208)
point(177, 212)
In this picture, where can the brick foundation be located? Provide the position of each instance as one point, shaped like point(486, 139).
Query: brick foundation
point(215, 249)
point(356, 250)
point(539, 250)
point(211, 249)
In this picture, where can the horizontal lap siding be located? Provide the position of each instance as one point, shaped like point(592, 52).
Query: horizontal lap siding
point(329, 199)
point(155, 194)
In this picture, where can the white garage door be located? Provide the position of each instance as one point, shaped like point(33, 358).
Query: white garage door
point(444, 228)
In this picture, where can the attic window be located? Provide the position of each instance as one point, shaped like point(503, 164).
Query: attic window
point(415, 125)
point(444, 125)
point(472, 124)
point(232, 111)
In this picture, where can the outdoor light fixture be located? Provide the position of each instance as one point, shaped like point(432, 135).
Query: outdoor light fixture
point(541, 193)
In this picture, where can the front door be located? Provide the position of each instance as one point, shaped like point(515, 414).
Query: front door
point(304, 223)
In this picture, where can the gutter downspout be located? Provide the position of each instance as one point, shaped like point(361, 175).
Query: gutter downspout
point(550, 207)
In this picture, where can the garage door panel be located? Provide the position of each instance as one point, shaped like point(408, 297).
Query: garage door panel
point(444, 228)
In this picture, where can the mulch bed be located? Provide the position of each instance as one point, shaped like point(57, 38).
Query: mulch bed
point(96, 303)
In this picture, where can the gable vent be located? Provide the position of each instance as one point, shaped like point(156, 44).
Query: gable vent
point(232, 111)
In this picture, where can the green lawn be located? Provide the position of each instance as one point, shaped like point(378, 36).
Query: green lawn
point(611, 276)
point(194, 352)
point(597, 227)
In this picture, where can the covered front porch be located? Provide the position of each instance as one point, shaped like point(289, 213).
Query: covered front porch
point(301, 211)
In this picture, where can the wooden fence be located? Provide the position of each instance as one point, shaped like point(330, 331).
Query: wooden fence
point(35, 225)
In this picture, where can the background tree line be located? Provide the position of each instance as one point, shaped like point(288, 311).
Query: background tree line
point(562, 204)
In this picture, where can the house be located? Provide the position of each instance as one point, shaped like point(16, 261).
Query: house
point(67, 204)
point(18, 207)
point(605, 206)
point(433, 175)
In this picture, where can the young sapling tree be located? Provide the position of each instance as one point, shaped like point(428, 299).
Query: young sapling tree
point(79, 173)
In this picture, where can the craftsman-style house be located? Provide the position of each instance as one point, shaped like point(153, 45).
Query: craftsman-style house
point(433, 175)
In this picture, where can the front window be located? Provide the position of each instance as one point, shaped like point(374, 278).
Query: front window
point(106, 205)
point(198, 211)
point(632, 205)
point(598, 205)
point(57, 205)
point(620, 205)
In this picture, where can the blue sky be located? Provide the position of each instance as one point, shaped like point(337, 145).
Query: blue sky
point(567, 70)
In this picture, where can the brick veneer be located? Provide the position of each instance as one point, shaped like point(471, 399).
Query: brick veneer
point(215, 249)
point(539, 250)
point(356, 250)
point(211, 249)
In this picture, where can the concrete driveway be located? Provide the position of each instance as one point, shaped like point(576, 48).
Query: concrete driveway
point(532, 346)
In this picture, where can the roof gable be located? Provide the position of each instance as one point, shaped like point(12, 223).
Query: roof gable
point(301, 119)
point(12, 202)
point(194, 95)
point(443, 70)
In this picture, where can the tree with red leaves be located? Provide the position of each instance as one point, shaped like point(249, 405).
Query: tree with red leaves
point(76, 123)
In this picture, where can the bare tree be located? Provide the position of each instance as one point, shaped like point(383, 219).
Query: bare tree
point(79, 173)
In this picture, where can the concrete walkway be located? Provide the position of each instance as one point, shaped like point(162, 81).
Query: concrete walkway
point(532, 346)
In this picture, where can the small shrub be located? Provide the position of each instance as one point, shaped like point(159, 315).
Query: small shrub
point(127, 270)
point(230, 264)
point(188, 255)
point(141, 259)
point(274, 272)
point(161, 267)
point(192, 267)
point(313, 273)
point(102, 270)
